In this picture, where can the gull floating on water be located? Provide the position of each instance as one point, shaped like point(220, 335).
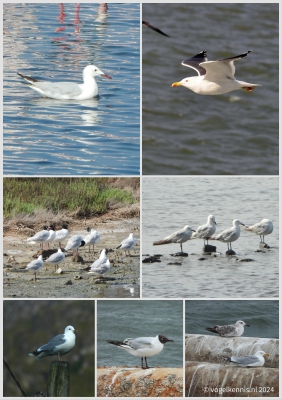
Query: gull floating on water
point(154, 28)
point(214, 77)
point(180, 237)
point(229, 330)
point(256, 360)
point(35, 265)
point(229, 235)
point(262, 228)
point(59, 345)
point(143, 346)
point(207, 230)
point(69, 90)
point(127, 244)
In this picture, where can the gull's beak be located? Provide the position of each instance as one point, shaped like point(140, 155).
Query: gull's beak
point(247, 325)
point(106, 76)
point(76, 330)
point(176, 84)
point(266, 355)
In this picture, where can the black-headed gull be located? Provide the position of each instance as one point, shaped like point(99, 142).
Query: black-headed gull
point(92, 238)
point(35, 265)
point(143, 346)
point(127, 244)
point(61, 234)
point(42, 236)
point(69, 90)
point(214, 77)
point(74, 243)
point(59, 345)
point(229, 330)
point(180, 237)
point(56, 258)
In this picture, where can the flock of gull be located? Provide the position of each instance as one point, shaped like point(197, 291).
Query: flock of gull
point(50, 234)
point(207, 232)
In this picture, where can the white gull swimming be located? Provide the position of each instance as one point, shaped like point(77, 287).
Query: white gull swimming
point(229, 330)
point(69, 90)
point(214, 77)
point(180, 237)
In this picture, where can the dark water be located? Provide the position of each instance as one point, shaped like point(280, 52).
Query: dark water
point(118, 320)
point(261, 315)
point(169, 203)
point(186, 133)
point(52, 42)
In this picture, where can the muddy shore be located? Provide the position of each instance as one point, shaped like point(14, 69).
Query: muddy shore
point(74, 281)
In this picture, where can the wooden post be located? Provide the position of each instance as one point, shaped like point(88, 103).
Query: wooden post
point(58, 379)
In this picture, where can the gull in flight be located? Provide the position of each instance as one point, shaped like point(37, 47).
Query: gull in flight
point(214, 77)
point(229, 330)
point(69, 90)
point(143, 346)
point(180, 237)
point(154, 28)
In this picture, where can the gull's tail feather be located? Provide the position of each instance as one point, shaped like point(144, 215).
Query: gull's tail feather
point(162, 242)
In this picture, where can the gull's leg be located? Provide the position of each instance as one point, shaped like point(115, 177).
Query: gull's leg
point(147, 366)
point(181, 247)
point(142, 363)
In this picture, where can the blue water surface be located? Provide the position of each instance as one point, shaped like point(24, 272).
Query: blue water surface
point(55, 42)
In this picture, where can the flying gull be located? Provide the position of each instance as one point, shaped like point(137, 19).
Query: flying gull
point(207, 230)
point(154, 28)
point(229, 330)
point(229, 235)
point(214, 77)
point(69, 90)
point(59, 345)
point(143, 346)
point(180, 237)
point(256, 360)
point(262, 228)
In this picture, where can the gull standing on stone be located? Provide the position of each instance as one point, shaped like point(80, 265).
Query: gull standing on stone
point(263, 228)
point(256, 360)
point(229, 330)
point(180, 237)
point(207, 230)
point(229, 235)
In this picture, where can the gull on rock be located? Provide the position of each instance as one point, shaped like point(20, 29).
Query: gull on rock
point(207, 230)
point(35, 265)
point(262, 228)
point(59, 345)
point(127, 244)
point(229, 235)
point(143, 346)
point(256, 360)
point(69, 90)
point(229, 330)
point(214, 77)
point(180, 237)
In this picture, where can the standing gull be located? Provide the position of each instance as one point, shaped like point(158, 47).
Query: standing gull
point(41, 236)
point(62, 234)
point(69, 90)
point(256, 360)
point(229, 330)
point(229, 235)
point(74, 243)
point(207, 230)
point(143, 346)
point(127, 244)
point(262, 228)
point(180, 237)
point(59, 345)
point(35, 265)
point(92, 238)
point(56, 258)
point(214, 77)
point(102, 265)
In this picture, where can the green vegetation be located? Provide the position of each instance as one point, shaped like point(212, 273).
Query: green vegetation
point(85, 196)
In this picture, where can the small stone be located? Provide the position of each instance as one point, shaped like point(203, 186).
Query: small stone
point(69, 282)
point(77, 277)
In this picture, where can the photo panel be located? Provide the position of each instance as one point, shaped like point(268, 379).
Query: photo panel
point(71, 237)
point(233, 347)
point(140, 348)
point(238, 261)
point(48, 346)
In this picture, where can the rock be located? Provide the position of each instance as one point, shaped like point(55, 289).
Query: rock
point(69, 282)
point(179, 254)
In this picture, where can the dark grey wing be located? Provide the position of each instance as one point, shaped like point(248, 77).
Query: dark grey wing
point(235, 57)
point(194, 62)
point(154, 28)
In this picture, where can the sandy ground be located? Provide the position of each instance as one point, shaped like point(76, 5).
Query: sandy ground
point(122, 281)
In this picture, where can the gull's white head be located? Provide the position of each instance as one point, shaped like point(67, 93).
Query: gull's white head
point(92, 70)
point(236, 222)
point(211, 218)
point(70, 328)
